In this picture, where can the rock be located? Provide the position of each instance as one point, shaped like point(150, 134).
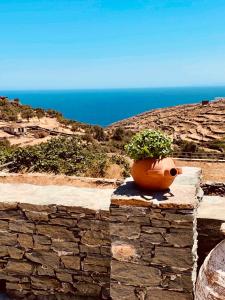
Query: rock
point(125, 230)
point(134, 274)
point(19, 268)
point(3, 251)
point(88, 289)
point(44, 258)
point(122, 292)
point(8, 206)
point(64, 222)
point(90, 249)
point(25, 241)
point(148, 229)
point(38, 208)
point(97, 261)
point(65, 277)
point(45, 271)
point(15, 253)
point(180, 239)
point(56, 232)
point(123, 251)
point(96, 225)
point(4, 226)
point(160, 223)
point(154, 238)
point(21, 226)
point(62, 246)
point(159, 294)
point(95, 238)
point(8, 239)
point(71, 262)
point(36, 216)
point(45, 283)
point(42, 239)
point(93, 268)
point(173, 257)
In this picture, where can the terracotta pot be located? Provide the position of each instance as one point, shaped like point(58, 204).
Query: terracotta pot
point(154, 174)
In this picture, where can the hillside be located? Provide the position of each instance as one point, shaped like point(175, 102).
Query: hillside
point(201, 124)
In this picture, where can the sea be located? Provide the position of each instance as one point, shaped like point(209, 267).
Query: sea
point(105, 106)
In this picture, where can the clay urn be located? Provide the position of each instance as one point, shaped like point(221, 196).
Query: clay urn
point(154, 174)
point(152, 169)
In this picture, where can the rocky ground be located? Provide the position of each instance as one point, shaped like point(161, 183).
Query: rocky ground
point(193, 122)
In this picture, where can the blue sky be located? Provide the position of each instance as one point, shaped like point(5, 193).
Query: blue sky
point(53, 44)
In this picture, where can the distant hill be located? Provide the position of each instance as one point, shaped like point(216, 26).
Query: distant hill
point(198, 123)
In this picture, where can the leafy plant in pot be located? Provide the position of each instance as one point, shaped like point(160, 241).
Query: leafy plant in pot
point(152, 169)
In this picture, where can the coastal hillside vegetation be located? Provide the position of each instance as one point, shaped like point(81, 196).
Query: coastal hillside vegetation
point(62, 155)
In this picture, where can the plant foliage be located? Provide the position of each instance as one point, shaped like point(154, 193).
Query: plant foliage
point(149, 144)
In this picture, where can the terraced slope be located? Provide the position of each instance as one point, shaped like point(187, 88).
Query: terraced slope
point(193, 122)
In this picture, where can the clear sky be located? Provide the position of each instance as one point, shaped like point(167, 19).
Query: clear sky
point(53, 44)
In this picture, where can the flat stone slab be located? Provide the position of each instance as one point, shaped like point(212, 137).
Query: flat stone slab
point(181, 195)
point(212, 207)
point(92, 198)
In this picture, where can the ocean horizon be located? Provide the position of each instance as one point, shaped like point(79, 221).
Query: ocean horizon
point(105, 106)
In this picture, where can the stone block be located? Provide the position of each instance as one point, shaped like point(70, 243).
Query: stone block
point(45, 283)
point(65, 277)
point(4, 206)
point(8, 239)
point(154, 238)
point(159, 294)
point(21, 226)
point(93, 268)
point(63, 222)
point(95, 238)
point(180, 258)
point(44, 258)
point(4, 226)
point(87, 289)
point(25, 241)
point(36, 216)
point(180, 238)
point(38, 208)
point(71, 262)
point(44, 270)
point(64, 247)
point(41, 239)
point(96, 225)
point(160, 223)
point(89, 249)
point(123, 251)
point(135, 274)
point(19, 268)
point(56, 232)
point(122, 292)
point(15, 253)
point(148, 229)
point(97, 261)
point(125, 230)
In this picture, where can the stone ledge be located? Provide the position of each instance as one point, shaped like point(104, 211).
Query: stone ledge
point(91, 198)
point(181, 195)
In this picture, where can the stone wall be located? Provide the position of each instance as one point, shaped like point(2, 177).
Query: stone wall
point(54, 250)
point(63, 242)
point(214, 188)
point(153, 245)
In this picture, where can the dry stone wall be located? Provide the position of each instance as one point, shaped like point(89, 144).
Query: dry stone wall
point(54, 252)
point(152, 253)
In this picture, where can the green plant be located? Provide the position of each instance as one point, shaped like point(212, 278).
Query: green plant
point(149, 144)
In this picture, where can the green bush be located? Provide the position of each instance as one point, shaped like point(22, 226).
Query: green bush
point(149, 144)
